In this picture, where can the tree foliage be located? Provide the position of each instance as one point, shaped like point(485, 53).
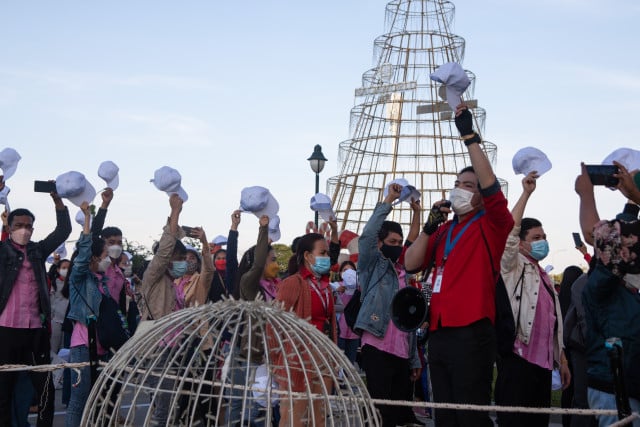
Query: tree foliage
point(283, 253)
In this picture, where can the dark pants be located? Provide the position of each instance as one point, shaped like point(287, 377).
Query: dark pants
point(461, 368)
point(566, 401)
point(580, 385)
point(388, 378)
point(27, 347)
point(350, 348)
point(521, 383)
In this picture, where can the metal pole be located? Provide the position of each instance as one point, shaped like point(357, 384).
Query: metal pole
point(317, 191)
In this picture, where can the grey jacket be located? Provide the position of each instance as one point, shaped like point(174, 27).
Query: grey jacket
point(379, 283)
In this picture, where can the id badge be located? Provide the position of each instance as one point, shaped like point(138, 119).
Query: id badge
point(437, 285)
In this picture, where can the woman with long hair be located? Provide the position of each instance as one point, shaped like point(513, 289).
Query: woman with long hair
point(308, 295)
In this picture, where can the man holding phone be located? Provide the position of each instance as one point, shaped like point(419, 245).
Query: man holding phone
point(25, 311)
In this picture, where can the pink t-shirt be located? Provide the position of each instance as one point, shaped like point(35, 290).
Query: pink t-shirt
point(269, 289)
point(115, 281)
point(179, 289)
point(80, 336)
point(539, 351)
point(345, 331)
point(23, 306)
point(394, 341)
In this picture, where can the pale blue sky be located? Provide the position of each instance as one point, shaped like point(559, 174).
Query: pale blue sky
point(234, 94)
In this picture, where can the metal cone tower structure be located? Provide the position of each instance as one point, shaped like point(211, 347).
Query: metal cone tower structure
point(401, 125)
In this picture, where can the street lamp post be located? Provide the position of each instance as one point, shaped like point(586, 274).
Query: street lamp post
point(317, 161)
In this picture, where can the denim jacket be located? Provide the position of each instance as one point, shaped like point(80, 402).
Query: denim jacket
point(83, 285)
point(379, 283)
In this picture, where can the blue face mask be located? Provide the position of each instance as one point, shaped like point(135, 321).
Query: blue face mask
point(539, 249)
point(178, 269)
point(322, 265)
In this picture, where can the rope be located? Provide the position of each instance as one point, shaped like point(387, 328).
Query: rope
point(42, 368)
point(436, 405)
point(491, 408)
point(49, 368)
point(626, 421)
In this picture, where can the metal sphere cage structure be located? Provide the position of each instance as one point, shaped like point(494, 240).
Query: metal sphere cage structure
point(196, 362)
point(401, 125)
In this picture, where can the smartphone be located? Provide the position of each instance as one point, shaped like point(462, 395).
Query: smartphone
point(188, 230)
point(44, 186)
point(603, 175)
point(577, 240)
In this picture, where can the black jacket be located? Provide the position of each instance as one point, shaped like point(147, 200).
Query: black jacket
point(37, 252)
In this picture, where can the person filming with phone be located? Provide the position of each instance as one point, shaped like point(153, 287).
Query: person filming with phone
point(610, 297)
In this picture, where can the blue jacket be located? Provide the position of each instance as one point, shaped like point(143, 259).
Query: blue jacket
point(83, 285)
point(611, 310)
point(379, 283)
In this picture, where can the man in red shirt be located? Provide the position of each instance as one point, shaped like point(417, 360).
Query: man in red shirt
point(465, 254)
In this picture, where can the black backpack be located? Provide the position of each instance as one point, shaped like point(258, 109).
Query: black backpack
point(111, 327)
point(352, 309)
point(505, 325)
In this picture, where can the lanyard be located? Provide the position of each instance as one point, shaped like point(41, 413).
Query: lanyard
point(449, 245)
point(123, 319)
point(325, 301)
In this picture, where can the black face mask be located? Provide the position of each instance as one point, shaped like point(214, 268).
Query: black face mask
point(391, 252)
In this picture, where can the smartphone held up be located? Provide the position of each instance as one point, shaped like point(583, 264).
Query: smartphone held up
point(44, 186)
point(603, 175)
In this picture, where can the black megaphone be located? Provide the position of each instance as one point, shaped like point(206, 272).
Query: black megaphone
point(408, 309)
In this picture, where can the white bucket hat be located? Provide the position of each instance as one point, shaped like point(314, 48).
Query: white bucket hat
point(109, 172)
point(75, 187)
point(259, 201)
point(4, 197)
point(455, 80)
point(80, 218)
point(274, 228)
point(9, 159)
point(60, 250)
point(408, 191)
point(219, 240)
point(169, 180)
point(321, 203)
point(530, 159)
point(627, 157)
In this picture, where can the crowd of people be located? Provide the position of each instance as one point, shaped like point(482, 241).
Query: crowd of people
point(493, 309)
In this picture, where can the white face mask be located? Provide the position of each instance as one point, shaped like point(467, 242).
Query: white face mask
point(63, 272)
point(21, 236)
point(632, 281)
point(114, 251)
point(128, 271)
point(104, 264)
point(461, 201)
point(350, 281)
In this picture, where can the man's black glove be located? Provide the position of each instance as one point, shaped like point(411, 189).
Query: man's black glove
point(464, 122)
point(436, 217)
